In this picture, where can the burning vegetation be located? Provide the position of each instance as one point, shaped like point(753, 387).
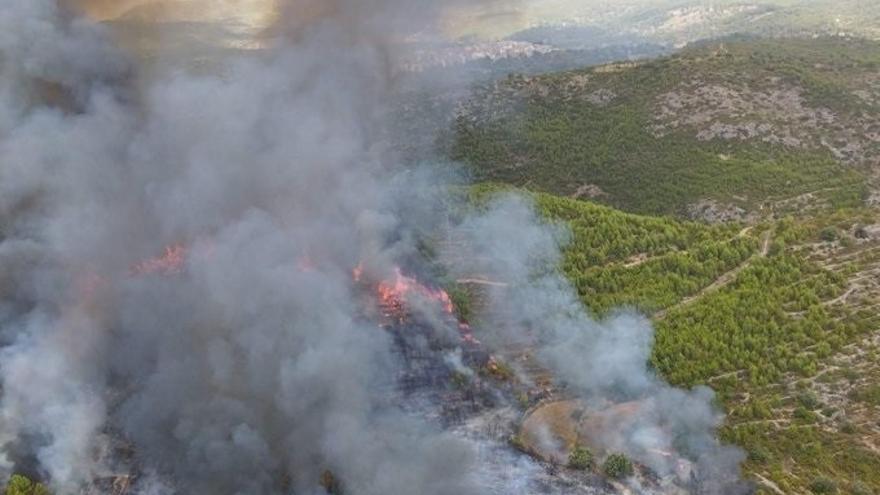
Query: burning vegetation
point(258, 369)
point(171, 262)
point(395, 294)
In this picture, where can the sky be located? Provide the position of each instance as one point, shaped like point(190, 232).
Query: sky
point(489, 19)
point(485, 19)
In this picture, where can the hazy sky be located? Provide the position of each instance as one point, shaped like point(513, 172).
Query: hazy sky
point(487, 19)
point(251, 12)
point(490, 19)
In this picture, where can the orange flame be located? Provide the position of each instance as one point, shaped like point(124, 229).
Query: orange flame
point(394, 294)
point(170, 263)
point(467, 335)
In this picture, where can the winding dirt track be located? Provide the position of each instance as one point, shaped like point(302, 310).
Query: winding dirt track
point(725, 279)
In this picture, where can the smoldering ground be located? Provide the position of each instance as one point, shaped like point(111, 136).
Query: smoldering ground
point(249, 371)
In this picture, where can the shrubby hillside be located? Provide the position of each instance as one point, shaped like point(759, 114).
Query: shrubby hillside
point(724, 130)
point(779, 318)
point(729, 192)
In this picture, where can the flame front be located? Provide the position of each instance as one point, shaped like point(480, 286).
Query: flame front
point(170, 263)
point(396, 293)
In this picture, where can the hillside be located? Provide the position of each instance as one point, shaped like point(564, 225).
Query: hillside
point(320, 248)
point(678, 22)
point(682, 22)
point(770, 297)
point(720, 130)
point(777, 318)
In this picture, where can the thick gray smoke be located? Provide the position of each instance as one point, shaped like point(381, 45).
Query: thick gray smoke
point(604, 362)
point(240, 362)
point(249, 371)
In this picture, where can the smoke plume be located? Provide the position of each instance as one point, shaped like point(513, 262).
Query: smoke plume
point(245, 372)
point(604, 362)
point(239, 361)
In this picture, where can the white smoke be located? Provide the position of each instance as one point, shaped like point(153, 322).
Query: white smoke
point(249, 368)
point(245, 372)
point(604, 362)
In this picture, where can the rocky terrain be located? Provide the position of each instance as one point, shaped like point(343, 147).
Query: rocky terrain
point(796, 114)
point(679, 22)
